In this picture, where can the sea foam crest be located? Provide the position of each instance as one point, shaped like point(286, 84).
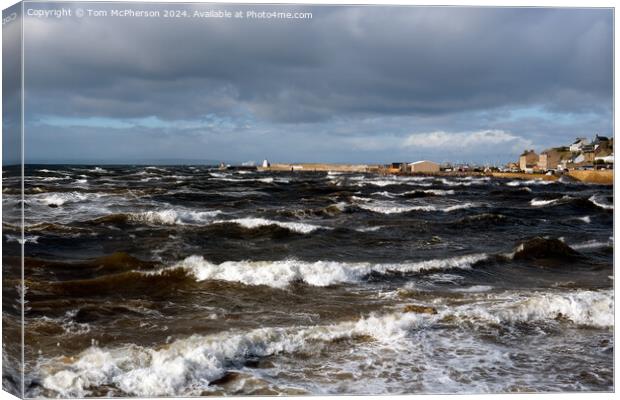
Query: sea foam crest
point(194, 362)
point(252, 223)
point(188, 365)
point(279, 274)
point(435, 192)
point(395, 208)
point(597, 201)
point(174, 217)
point(591, 308)
point(542, 203)
point(592, 244)
point(529, 182)
point(59, 199)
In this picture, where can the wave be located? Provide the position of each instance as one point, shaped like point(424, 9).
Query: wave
point(597, 201)
point(327, 211)
point(243, 180)
point(391, 208)
point(188, 365)
point(416, 193)
point(279, 274)
point(196, 361)
point(253, 223)
point(483, 219)
point(542, 203)
point(529, 182)
point(369, 229)
point(585, 219)
point(27, 239)
point(203, 218)
point(592, 244)
point(411, 181)
point(448, 182)
point(59, 199)
point(173, 217)
point(98, 170)
point(439, 192)
point(588, 308)
point(48, 171)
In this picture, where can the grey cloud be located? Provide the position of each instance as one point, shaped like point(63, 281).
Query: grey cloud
point(309, 90)
point(347, 60)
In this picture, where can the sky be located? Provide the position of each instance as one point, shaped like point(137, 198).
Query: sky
point(352, 84)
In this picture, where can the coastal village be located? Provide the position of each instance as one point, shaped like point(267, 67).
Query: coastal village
point(587, 160)
point(582, 154)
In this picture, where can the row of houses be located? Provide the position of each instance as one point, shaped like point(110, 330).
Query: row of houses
point(581, 154)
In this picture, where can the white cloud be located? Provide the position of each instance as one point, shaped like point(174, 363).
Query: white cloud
point(467, 141)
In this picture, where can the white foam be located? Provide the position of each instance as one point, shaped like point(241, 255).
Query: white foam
point(279, 274)
point(591, 244)
point(591, 308)
point(597, 202)
point(386, 194)
point(439, 192)
point(59, 199)
point(445, 278)
point(369, 229)
point(585, 219)
point(529, 182)
point(188, 365)
point(194, 362)
point(436, 192)
point(395, 208)
point(474, 289)
point(252, 223)
point(457, 207)
point(448, 182)
point(227, 178)
point(542, 203)
point(388, 181)
point(27, 239)
point(98, 169)
point(174, 217)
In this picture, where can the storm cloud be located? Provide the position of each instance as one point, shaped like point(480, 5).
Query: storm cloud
point(352, 84)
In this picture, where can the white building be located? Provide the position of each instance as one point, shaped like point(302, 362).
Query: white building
point(578, 145)
point(423, 166)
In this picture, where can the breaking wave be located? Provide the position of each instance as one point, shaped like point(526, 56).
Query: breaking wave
point(59, 199)
point(597, 201)
point(196, 361)
point(592, 244)
point(589, 308)
point(542, 203)
point(279, 274)
point(391, 208)
point(187, 365)
point(173, 217)
point(253, 223)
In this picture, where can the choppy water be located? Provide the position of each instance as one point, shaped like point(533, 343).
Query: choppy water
point(154, 281)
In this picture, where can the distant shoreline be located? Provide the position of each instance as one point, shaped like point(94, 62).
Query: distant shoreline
point(601, 177)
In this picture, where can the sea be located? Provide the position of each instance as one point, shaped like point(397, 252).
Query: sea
point(195, 281)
